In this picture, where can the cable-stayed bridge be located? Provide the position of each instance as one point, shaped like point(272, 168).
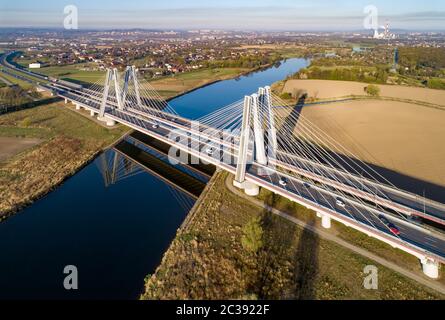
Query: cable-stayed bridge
point(265, 142)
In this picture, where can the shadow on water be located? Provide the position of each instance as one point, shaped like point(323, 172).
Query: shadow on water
point(306, 264)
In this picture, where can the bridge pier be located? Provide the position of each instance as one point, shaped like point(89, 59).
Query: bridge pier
point(325, 221)
point(430, 268)
point(109, 122)
point(250, 188)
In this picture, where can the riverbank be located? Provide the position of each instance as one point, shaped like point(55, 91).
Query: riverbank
point(174, 87)
point(207, 259)
point(68, 142)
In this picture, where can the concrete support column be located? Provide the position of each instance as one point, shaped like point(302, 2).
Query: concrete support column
point(92, 113)
point(77, 107)
point(251, 189)
point(326, 221)
point(109, 122)
point(318, 214)
point(66, 100)
point(430, 268)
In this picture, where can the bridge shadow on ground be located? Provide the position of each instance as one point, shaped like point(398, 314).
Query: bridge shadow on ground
point(306, 264)
point(290, 123)
point(276, 279)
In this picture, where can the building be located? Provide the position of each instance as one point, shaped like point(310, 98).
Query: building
point(35, 65)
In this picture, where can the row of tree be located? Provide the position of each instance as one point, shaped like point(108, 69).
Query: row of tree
point(379, 75)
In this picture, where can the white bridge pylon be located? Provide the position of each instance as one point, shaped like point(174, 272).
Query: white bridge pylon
point(257, 108)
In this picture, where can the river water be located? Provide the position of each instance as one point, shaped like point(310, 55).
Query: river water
point(114, 235)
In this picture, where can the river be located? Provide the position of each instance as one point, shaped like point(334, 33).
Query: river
point(114, 235)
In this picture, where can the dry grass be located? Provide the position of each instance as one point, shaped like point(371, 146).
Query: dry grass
point(207, 260)
point(70, 140)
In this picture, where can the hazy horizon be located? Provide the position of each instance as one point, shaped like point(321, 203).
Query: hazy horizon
point(264, 15)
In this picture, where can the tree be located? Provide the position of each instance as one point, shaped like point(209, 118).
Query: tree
point(373, 90)
point(252, 239)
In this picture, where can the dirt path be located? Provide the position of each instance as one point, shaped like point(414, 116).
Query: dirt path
point(10, 146)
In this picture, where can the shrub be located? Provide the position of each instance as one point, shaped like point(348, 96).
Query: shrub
point(26, 122)
point(286, 96)
point(373, 90)
point(252, 236)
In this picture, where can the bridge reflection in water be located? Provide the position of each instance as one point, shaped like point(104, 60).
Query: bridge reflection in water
point(139, 153)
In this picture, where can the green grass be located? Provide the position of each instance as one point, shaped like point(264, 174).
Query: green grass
point(21, 83)
point(53, 120)
point(41, 133)
point(72, 72)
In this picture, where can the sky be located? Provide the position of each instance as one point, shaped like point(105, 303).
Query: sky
point(267, 15)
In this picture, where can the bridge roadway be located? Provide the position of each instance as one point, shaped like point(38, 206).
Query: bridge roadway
point(364, 217)
point(384, 195)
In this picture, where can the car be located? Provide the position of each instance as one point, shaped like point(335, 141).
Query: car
point(394, 230)
point(306, 185)
point(155, 126)
point(340, 203)
point(210, 151)
point(283, 182)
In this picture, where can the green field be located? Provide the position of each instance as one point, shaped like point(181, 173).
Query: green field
point(173, 85)
point(21, 83)
point(68, 72)
point(72, 73)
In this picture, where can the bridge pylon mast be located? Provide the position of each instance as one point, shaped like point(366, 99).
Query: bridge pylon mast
point(131, 75)
point(108, 78)
point(127, 78)
point(240, 175)
point(241, 166)
point(258, 128)
point(271, 130)
point(117, 89)
point(136, 85)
